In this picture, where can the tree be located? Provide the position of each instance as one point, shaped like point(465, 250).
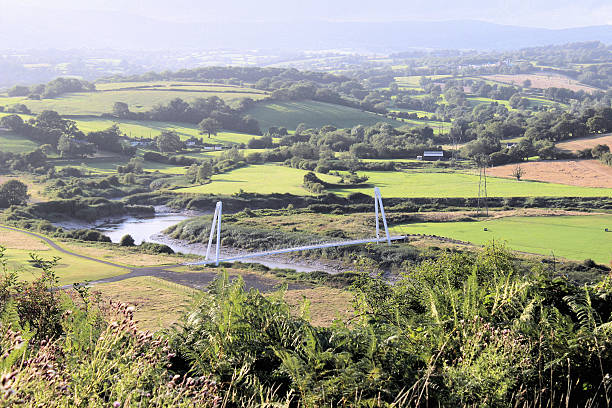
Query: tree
point(126, 240)
point(168, 141)
point(518, 172)
point(121, 109)
point(13, 122)
point(13, 192)
point(210, 126)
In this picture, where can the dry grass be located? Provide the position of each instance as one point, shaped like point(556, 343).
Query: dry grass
point(119, 255)
point(18, 240)
point(582, 173)
point(586, 142)
point(158, 303)
point(326, 304)
point(543, 81)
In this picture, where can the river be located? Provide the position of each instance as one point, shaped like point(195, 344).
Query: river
point(151, 229)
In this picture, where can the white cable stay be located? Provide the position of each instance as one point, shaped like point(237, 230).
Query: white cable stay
point(216, 229)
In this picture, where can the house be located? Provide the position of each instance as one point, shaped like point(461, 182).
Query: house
point(433, 155)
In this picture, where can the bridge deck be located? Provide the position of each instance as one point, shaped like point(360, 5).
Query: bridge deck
point(301, 248)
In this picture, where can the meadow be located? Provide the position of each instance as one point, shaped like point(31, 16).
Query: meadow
point(263, 179)
point(314, 115)
point(13, 143)
point(139, 98)
point(571, 237)
point(270, 178)
point(147, 129)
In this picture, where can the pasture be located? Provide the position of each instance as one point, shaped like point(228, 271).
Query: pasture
point(571, 237)
point(314, 115)
point(139, 98)
point(148, 129)
point(449, 184)
point(271, 178)
point(13, 143)
point(264, 179)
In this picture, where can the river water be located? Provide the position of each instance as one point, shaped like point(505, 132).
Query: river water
point(150, 229)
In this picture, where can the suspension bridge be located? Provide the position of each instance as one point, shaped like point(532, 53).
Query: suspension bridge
point(215, 232)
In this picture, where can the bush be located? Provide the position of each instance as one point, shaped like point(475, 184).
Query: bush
point(127, 240)
point(156, 248)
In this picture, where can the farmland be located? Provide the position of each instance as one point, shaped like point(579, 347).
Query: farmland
point(543, 81)
point(583, 173)
point(313, 114)
point(272, 178)
point(586, 142)
point(571, 237)
point(139, 97)
point(11, 142)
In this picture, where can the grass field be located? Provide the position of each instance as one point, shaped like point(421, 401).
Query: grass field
point(571, 237)
point(279, 179)
point(148, 129)
point(264, 179)
point(158, 303)
point(314, 115)
point(139, 99)
point(430, 184)
point(70, 268)
point(13, 143)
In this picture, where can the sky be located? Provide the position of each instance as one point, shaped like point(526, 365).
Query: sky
point(531, 13)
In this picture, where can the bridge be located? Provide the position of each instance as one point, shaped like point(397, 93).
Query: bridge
point(215, 232)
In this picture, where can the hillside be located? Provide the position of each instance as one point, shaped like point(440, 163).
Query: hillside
point(313, 114)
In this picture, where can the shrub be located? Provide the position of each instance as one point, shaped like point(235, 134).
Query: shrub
point(127, 240)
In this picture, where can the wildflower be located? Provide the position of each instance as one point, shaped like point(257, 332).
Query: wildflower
point(116, 404)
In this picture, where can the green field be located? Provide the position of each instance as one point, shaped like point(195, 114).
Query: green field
point(138, 99)
point(571, 237)
point(13, 143)
point(314, 115)
point(148, 129)
point(277, 179)
point(70, 268)
point(439, 184)
point(264, 179)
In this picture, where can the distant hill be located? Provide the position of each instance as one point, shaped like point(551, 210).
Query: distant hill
point(84, 29)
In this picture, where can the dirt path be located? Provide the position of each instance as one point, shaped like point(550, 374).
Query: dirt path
point(197, 280)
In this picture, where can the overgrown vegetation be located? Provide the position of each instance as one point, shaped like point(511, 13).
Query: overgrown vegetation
point(457, 330)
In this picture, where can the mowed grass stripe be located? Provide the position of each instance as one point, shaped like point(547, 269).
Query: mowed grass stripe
point(571, 237)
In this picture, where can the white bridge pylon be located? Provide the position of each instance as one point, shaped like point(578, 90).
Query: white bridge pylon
point(215, 230)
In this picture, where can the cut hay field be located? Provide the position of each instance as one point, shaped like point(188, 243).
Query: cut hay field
point(139, 99)
point(270, 178)
point(314, 115)
point(571, 237)
point(586, 142)
point(583, 173)
point(542, 81)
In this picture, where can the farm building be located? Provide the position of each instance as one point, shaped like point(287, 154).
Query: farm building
point(432, 155)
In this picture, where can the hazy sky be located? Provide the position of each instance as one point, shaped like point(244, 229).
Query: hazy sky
point(534, 13)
